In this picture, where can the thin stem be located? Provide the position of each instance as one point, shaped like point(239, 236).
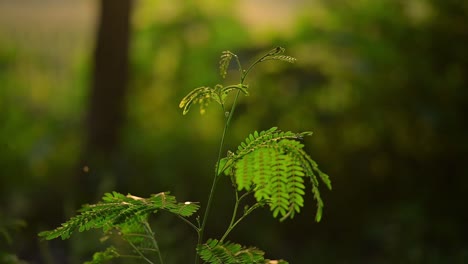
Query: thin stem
point(233, 222)
point(216, 176)
point(153, 240)
point(234, 214)
point(228, 122)
point(246, 72)
point(232, 225)
point(189, 223)
point(139, 253)
point(201, 230)
point(245, 195)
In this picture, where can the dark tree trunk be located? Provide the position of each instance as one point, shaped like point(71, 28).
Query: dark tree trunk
point(107, 106)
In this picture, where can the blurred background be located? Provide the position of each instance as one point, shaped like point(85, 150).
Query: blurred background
point(89, 94)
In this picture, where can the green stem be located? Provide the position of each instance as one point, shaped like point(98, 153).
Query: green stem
point(189, 223)
point(216, 176)
point(201, 230)
point(246, 72)
point(234, 214)
point(153, 240)
point(232, 226)
point(139, 253)
point(233, 222)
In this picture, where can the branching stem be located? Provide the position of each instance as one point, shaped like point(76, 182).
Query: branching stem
point(140, 253)
point(216, 176)
point(235, 222)
point(201, 230)
point(153, 240)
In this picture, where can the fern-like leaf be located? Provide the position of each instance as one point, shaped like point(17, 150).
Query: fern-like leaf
point(274, 163)
point(116, 210)
point(281, 58)
point(216, 252)
point(265, 138)
point(279, 203)
point(275, 54)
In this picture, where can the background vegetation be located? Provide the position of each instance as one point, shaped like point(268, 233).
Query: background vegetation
point(383, 85)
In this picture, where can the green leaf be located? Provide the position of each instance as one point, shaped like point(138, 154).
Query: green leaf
point(116, 210)
point(216, 252)
point(226, 57)
point(282, 58)
point(274, 164)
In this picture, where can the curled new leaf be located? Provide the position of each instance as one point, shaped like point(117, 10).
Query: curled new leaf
point(201, 95)
point(224, 91)
point(274, 54)
point(226, 57)
point(205, 95)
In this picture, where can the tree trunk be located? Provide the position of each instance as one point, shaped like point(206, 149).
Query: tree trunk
point(107, 106)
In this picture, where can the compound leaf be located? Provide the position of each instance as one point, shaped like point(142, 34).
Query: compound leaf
point(274, 164)
point(116, 210)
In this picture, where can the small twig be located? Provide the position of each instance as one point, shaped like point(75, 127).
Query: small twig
point(188, 222)
point(153, 240)
point(139, 253)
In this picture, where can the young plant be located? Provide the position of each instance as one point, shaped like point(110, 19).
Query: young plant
point(270, 165)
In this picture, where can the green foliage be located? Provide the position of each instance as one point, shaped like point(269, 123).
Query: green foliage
point(270, 164)
point(217, 252)
point(274, 164)
point(205, 95)
point(126, 215)
point(118, 210)
point(104, 256)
